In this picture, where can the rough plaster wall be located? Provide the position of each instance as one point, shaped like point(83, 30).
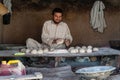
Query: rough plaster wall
point(83, 33)
point(24, 25)
point(27, 22)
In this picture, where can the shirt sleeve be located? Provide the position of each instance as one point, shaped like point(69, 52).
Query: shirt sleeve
point(68, 34)
point(45, 35)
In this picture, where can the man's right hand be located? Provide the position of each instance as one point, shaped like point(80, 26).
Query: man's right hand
point(54, 41)
point(58, 40)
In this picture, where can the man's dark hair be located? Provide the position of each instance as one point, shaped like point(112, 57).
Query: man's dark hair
point(57, 10)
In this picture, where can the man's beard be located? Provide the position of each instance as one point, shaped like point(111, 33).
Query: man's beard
point(56, 22)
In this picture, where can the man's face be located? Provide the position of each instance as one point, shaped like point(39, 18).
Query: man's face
point(57, 17)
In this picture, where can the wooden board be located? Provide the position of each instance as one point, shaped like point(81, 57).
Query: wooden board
point(102, 52)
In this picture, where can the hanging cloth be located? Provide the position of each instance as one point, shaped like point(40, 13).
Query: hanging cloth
point(97, 19)
point(8, 4)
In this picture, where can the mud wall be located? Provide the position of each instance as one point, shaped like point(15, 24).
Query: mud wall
point(29, 15)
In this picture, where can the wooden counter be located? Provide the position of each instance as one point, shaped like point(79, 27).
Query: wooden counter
point(102, 52)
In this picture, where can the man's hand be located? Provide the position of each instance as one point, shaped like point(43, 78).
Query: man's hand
point(54, 41)
point(58, 41)
point(67, 42)
point(61, 41)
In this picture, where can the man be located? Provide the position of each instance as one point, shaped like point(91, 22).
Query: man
point(55, 33)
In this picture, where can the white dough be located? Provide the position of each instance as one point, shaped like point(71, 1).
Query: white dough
point(77, 47)
point(84, 47)
point(72, 51)
point(76, 50)
point(46, 50)
point(27, 50)
point(89, 50)
point(89, 47)
point(40, 51)
point(95, 49)
point(82, 51)
point(34, 51)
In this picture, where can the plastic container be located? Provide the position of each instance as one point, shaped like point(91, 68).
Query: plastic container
point(4, 69)
point(17, 67)
point(15, 70)
point(13, 67)
point(35, 76)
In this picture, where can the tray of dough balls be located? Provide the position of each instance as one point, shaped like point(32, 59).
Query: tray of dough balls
point(83, 49)
point(46, 51)
point(92, 51)
point(71, 50)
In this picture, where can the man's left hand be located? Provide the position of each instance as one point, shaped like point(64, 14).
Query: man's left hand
point(67, 42)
